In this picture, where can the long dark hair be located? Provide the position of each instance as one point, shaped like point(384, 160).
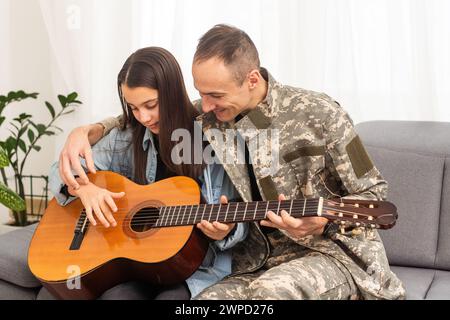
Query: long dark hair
point(156, 68)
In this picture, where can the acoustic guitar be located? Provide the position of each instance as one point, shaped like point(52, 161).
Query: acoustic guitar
point(155, 239)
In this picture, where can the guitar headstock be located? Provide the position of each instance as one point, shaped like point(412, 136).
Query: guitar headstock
point(360, 213)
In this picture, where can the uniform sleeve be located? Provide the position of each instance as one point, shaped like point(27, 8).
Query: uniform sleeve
point(111, 123)
point(353, 165)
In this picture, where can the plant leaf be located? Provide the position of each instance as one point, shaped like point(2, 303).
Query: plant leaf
point(40, 128)
point(62, 100)
point(4, 161)
point(50, 108)
point(11, 144)
point(22, 130)
point(22, 145)
point(11, 199)
point(25, 116)
point(37, 148)
point(71, 97)
point(30, 135)
point(20, 94)
point(11, 96)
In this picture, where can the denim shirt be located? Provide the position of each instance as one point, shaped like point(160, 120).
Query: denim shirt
point(114, 152)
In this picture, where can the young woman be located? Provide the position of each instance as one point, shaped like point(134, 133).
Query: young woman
point(155, 103)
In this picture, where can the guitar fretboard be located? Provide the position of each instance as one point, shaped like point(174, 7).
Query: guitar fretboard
point(235, 211)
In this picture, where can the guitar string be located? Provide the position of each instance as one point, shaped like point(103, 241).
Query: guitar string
point(243, 211)
point(297, 205)
point(240, 210)
point(155, 219)
point(249, 209)
point(239, 213)
point(231, 203)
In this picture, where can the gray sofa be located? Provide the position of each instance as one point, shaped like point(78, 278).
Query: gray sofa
point(415, 159)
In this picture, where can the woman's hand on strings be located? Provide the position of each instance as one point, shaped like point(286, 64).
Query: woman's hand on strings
point(99, 202)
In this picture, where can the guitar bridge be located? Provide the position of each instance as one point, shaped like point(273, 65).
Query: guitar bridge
point(80, 230)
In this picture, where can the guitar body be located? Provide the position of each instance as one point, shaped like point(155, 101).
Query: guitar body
point(109, 256)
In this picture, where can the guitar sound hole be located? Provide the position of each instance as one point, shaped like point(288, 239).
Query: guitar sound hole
point(144, 219)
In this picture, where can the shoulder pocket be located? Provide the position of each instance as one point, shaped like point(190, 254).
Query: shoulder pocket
point(311, 151)
point(359, 157)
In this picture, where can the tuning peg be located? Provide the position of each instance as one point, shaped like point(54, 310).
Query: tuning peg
point(371, 206)
point(342, 227)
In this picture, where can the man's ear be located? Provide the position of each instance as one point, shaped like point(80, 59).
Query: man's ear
point(254, 77)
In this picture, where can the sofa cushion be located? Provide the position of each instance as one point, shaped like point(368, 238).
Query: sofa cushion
point(421, 137)
point(415, 187)
point(9, 291)
point(14, 257)
point(440, 287)
point(428, 139)
point(44, 294)
point(124, 291)
point(443, 252)
point(132, 290)
point(417, 281)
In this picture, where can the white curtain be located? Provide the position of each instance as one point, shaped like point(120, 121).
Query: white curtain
point(380, 59)
point(5, 38)
point(89, 41)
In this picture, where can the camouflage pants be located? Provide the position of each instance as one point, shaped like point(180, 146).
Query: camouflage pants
point(295, 274)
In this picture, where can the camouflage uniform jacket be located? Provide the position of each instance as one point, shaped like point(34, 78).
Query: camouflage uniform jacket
point(318, 152)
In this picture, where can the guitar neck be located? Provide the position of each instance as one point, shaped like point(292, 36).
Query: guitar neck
point(236, 211)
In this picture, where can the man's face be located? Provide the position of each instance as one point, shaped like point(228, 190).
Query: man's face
point(219, 90)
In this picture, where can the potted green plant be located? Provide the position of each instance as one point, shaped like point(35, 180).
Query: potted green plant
point(24, 138)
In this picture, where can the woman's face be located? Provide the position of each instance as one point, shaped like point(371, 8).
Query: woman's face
point(143, 102)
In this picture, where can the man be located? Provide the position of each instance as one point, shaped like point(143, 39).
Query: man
point(320, 155)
